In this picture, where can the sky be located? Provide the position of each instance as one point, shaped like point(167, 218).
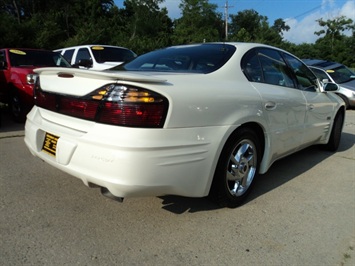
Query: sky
point(300, 15)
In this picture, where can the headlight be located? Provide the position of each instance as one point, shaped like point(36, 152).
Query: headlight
point(31, 78)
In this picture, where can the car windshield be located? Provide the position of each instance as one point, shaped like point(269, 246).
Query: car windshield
point(341, 74)
point(104, 54)
point(201, 58)
point(36, 58)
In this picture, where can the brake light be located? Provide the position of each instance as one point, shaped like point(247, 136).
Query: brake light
point(112, 104)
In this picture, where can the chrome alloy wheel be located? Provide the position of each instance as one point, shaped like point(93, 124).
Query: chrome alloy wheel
point(241, 167)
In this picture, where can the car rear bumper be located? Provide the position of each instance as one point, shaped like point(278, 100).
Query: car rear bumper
point(129, 161)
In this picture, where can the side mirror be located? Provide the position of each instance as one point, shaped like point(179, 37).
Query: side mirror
point(330, 86)
point(85, 63)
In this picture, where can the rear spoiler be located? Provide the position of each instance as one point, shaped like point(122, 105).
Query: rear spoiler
point(103, 75)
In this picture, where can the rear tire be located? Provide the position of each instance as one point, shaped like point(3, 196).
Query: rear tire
point(236, 169)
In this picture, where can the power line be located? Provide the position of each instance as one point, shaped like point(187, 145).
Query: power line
point(305, 13)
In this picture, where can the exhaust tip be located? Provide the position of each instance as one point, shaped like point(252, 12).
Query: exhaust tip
point(105, 192)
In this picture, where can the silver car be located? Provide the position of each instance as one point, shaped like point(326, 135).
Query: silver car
point(334, 72)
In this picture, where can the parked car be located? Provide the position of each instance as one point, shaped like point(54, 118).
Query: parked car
point(191, 120)
point(17, 77)
point(334, 72)
point(96, 57)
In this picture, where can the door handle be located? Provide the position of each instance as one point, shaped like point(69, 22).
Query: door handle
point(310, 107)
point(270, 106)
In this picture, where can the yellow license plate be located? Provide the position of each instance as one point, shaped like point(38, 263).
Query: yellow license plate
point(50, 144)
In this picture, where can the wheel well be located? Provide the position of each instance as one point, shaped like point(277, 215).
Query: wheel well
point(12, 90)
point(343, 97)
point(260, 133)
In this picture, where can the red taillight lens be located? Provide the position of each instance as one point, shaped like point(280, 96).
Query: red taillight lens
point(79, 108)
point(136, 114)
point(112, 104)
point(45, 100)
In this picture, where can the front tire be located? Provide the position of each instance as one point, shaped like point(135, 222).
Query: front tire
point(335, 135)
point(17, 109)
point(237, 168)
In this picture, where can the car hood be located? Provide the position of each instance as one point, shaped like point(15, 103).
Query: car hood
point(105, 65)
point(349, 85)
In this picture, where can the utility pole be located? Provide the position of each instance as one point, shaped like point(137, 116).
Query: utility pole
point(226, 18)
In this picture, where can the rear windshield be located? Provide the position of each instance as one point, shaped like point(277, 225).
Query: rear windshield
point(104, 54)
point(201, 58)
point(36, 58)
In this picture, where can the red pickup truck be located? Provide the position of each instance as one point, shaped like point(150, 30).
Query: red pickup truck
point(17, 77)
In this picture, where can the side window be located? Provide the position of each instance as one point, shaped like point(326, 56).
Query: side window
point(68, 55)
point(83, 53)
point(251, 67)
point(306, 79)
point(275, 70)
point(267, 66)
point(321, 75)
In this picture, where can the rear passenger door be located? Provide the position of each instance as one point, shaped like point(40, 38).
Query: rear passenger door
point(283, 104)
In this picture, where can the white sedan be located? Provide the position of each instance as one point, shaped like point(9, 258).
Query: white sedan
point(190, 120)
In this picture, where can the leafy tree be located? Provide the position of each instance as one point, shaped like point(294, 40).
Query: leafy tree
point(334, 45)
point(248, 22)
point(249, 26)
point(148, 27)
point(333, 29)
point(280, 26)
point(143, 26)
point(199, 22)
point(8, 25)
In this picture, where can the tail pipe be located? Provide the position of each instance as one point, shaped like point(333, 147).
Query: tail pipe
point(105, 192)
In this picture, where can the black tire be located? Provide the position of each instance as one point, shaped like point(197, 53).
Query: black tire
point(335, 135)
point(236, 169)
point(16, 108)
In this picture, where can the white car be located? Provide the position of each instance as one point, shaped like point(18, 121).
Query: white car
point(96, 57)
point(191, 120)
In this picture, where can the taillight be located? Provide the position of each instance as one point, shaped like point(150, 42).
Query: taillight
point(78, 107)
point(112, 104)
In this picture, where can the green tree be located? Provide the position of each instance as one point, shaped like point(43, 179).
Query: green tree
point(199, 22)
point(280, 26)
point(245, 25)
point(249, 26)
point(333, 29)
point(148, 25)
point(83, 21)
